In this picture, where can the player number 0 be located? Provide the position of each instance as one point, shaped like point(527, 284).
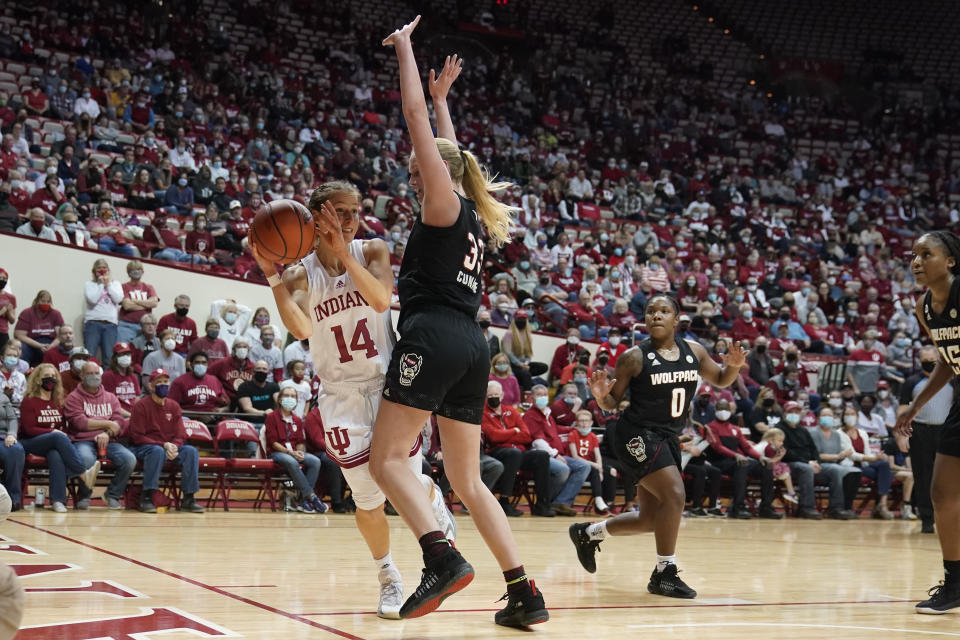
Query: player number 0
point(678, 402)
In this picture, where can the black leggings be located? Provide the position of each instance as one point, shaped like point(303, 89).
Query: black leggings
point(702, 476)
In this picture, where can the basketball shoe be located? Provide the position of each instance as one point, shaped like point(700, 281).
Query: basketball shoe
point(442, 577)
point(668, 583)
point(443, 515)
point(586, 548)
point(943, 598)
point(523, 611)
point(391, 593)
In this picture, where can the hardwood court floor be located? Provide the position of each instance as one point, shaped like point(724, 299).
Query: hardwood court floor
point(272, 575)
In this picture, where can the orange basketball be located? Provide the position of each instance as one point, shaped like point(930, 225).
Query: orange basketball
point(283, 231)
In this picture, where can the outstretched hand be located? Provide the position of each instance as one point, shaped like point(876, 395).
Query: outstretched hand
point(401, 35)
point(328, 226)
point(736, 356)
point(600, 385)
point(440, 84)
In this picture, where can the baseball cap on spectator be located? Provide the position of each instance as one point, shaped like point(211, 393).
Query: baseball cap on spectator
point(521, 313)
point(684, 318)
point(122, 347)
point(792, 405)
point(705, 390)
point(235, 204)
point(79, 352)
point(883, 384)
point(158, 373)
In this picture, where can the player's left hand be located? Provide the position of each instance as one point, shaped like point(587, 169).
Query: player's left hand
point(440, 84)
point(600, 386)
point(401, 35)
point(736, 356)
point(328, 225)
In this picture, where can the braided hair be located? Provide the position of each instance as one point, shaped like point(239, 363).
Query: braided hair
point(951, 243)
point(668, 298)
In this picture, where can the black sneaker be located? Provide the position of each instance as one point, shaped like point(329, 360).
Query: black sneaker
point(441, 579)
point(943, 598)
point(146, 506)
point(509, 509)
point(668, 583)
point(810, 514)
point(769, 513)
point(525, 611)
point(841, 514)
point(926, 526)
point(739, 514)
point(543, 511)
point(190, 505)
point(699, 512)
point(586, 548)
point(716, 512)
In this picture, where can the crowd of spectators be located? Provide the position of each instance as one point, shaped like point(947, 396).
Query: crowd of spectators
point(676, 185)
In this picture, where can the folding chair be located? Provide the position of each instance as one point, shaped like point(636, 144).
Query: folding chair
point(260, 470)
point(199, 434)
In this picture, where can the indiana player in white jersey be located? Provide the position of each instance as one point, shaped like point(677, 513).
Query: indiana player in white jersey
point(339, 297)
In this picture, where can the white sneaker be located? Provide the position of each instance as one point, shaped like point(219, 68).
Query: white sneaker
point(89, 476)
point(791, 497)
point(600, 504)
point(444, 518)
point(59, 507)
point(391, 593)
point(906, 512)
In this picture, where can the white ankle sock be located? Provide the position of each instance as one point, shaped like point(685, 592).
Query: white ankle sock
point(663, 561)
point(598, 530)
point(600, 504)
point(386, 562)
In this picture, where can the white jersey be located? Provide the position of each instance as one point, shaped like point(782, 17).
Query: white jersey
point(351, 342)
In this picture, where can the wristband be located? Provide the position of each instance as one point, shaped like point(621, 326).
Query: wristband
point(273, 280)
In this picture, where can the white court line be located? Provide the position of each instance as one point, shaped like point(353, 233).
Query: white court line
point(728, 601)
point(895, 598)
point(788, 624)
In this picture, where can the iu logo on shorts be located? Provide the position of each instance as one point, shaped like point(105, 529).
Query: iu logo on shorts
point(339, 439)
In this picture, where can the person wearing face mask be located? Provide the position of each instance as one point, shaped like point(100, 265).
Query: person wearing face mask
point(36, 227)
point(121, 378)
point(566, 405)
point(157, 436)
point(286, 446)
point(179, 197)
point(584, 445)
point(296, 371)
point(261, 319)
point(887, 405)
point(96, 421)
point(71, 377)
point(733, 454)
point(199, 242)
point(198, 390)
point(184, 328)
point(139, 299)
point(766, 414)
point(37, 328)
point(927, 432)
point(900, 354)
point(484, 321)
point(299, 350)
point(165, 241)
point(567, 473)
point(166, 358)
point(501, 373)
point(549, 296)
point(747, 326)
point(147, 342)
point(235, 370)
point(42, 432)
point(866, 365)
point(872, 462)
point(210, 342)
point(13, 383)
point(802, 457)
point(868, 420)
point(266, 350)
point(234, 319)
point(8, 309)
point(258, 397)
point(517, 345)
point(833, 448)
point(614, 344)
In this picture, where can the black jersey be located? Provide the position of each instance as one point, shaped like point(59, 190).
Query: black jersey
point(661, 393)
point(442, 265)
point(944, 327)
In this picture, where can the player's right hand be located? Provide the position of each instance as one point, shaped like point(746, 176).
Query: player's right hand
point(904, 426)
point(402, 34)
point(440, 84)
point(600, 386)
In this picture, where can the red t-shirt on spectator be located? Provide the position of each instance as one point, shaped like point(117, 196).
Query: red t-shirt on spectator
point(231, 374)
point(185, 328)
point(125, 387)
point(585, 445)
point(138, 292)
point(215, 349)
point(39, 416)
point(197, 394)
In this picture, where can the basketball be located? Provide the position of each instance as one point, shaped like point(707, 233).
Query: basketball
point(283, 231)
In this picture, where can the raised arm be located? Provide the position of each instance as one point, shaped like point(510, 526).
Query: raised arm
point(439, 88)
point(290, 294)
point(440, 206)
point(733, 361)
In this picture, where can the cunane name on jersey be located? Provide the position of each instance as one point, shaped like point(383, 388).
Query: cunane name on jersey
point(468, 280)
point(339, 303)
point(673, 377)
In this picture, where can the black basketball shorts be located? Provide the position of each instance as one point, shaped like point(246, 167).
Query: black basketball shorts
point(950, 435)
point(440, 364)
point(646, 450)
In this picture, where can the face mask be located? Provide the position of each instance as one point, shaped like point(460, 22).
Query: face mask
point(92, 380)
point(521, 323)
point(288, 403)
point(501, 367)
point(840, 321)
point(768, 402)
point(691, 283)
point(213, 333)
point(484, 324)
point(86, 95)
point(901, 342)
point(928, 366)
point(161, 390)
point(267, 341)
point(182, 311)
point(182, 182)
point(583, 430)
point(602, 361)
point(199, 370)
point(580, 379)
point(738, 298)
point(395, 236)
point(124, 361)
point(524, 265)
point(242, 353)
point(568, 272)
point(48, 384)
point(169, 344)
point(849, 420)
point(260, 376)
point(136, 274)
point(712, 297)
point(573, 340)
point(230, 317)
point(614, 341)
point(569, 400)
point(835, 402)
point(748, 315)
point(826, 422)
point(883, 393)
point(36, 225)
point(493, 402)
point(792, 419)
point(262, 321)
point(10, 361)
point(541, 402)
point(723, 415)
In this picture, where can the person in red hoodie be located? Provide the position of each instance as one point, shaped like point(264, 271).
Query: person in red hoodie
point(42, 434)
point(95, 421)
point(286, 445)
point(506, 438)
point(733, 454)
point(157, 435)
point(121, 379)
point(546, 435)
point(235, 370)
point(185, 328)
point(565, 406)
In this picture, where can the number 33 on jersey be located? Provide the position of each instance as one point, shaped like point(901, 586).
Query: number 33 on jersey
point(351, 342)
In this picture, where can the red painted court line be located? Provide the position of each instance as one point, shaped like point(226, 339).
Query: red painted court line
point(253, 603)
point(636, 606)
point(244, 586)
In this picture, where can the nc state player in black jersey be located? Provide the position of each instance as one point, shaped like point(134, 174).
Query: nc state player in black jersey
point(936, 265)
point(441, 361)
point(661, 373)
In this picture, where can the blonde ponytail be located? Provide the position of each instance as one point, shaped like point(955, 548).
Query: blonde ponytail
point(479, 187)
